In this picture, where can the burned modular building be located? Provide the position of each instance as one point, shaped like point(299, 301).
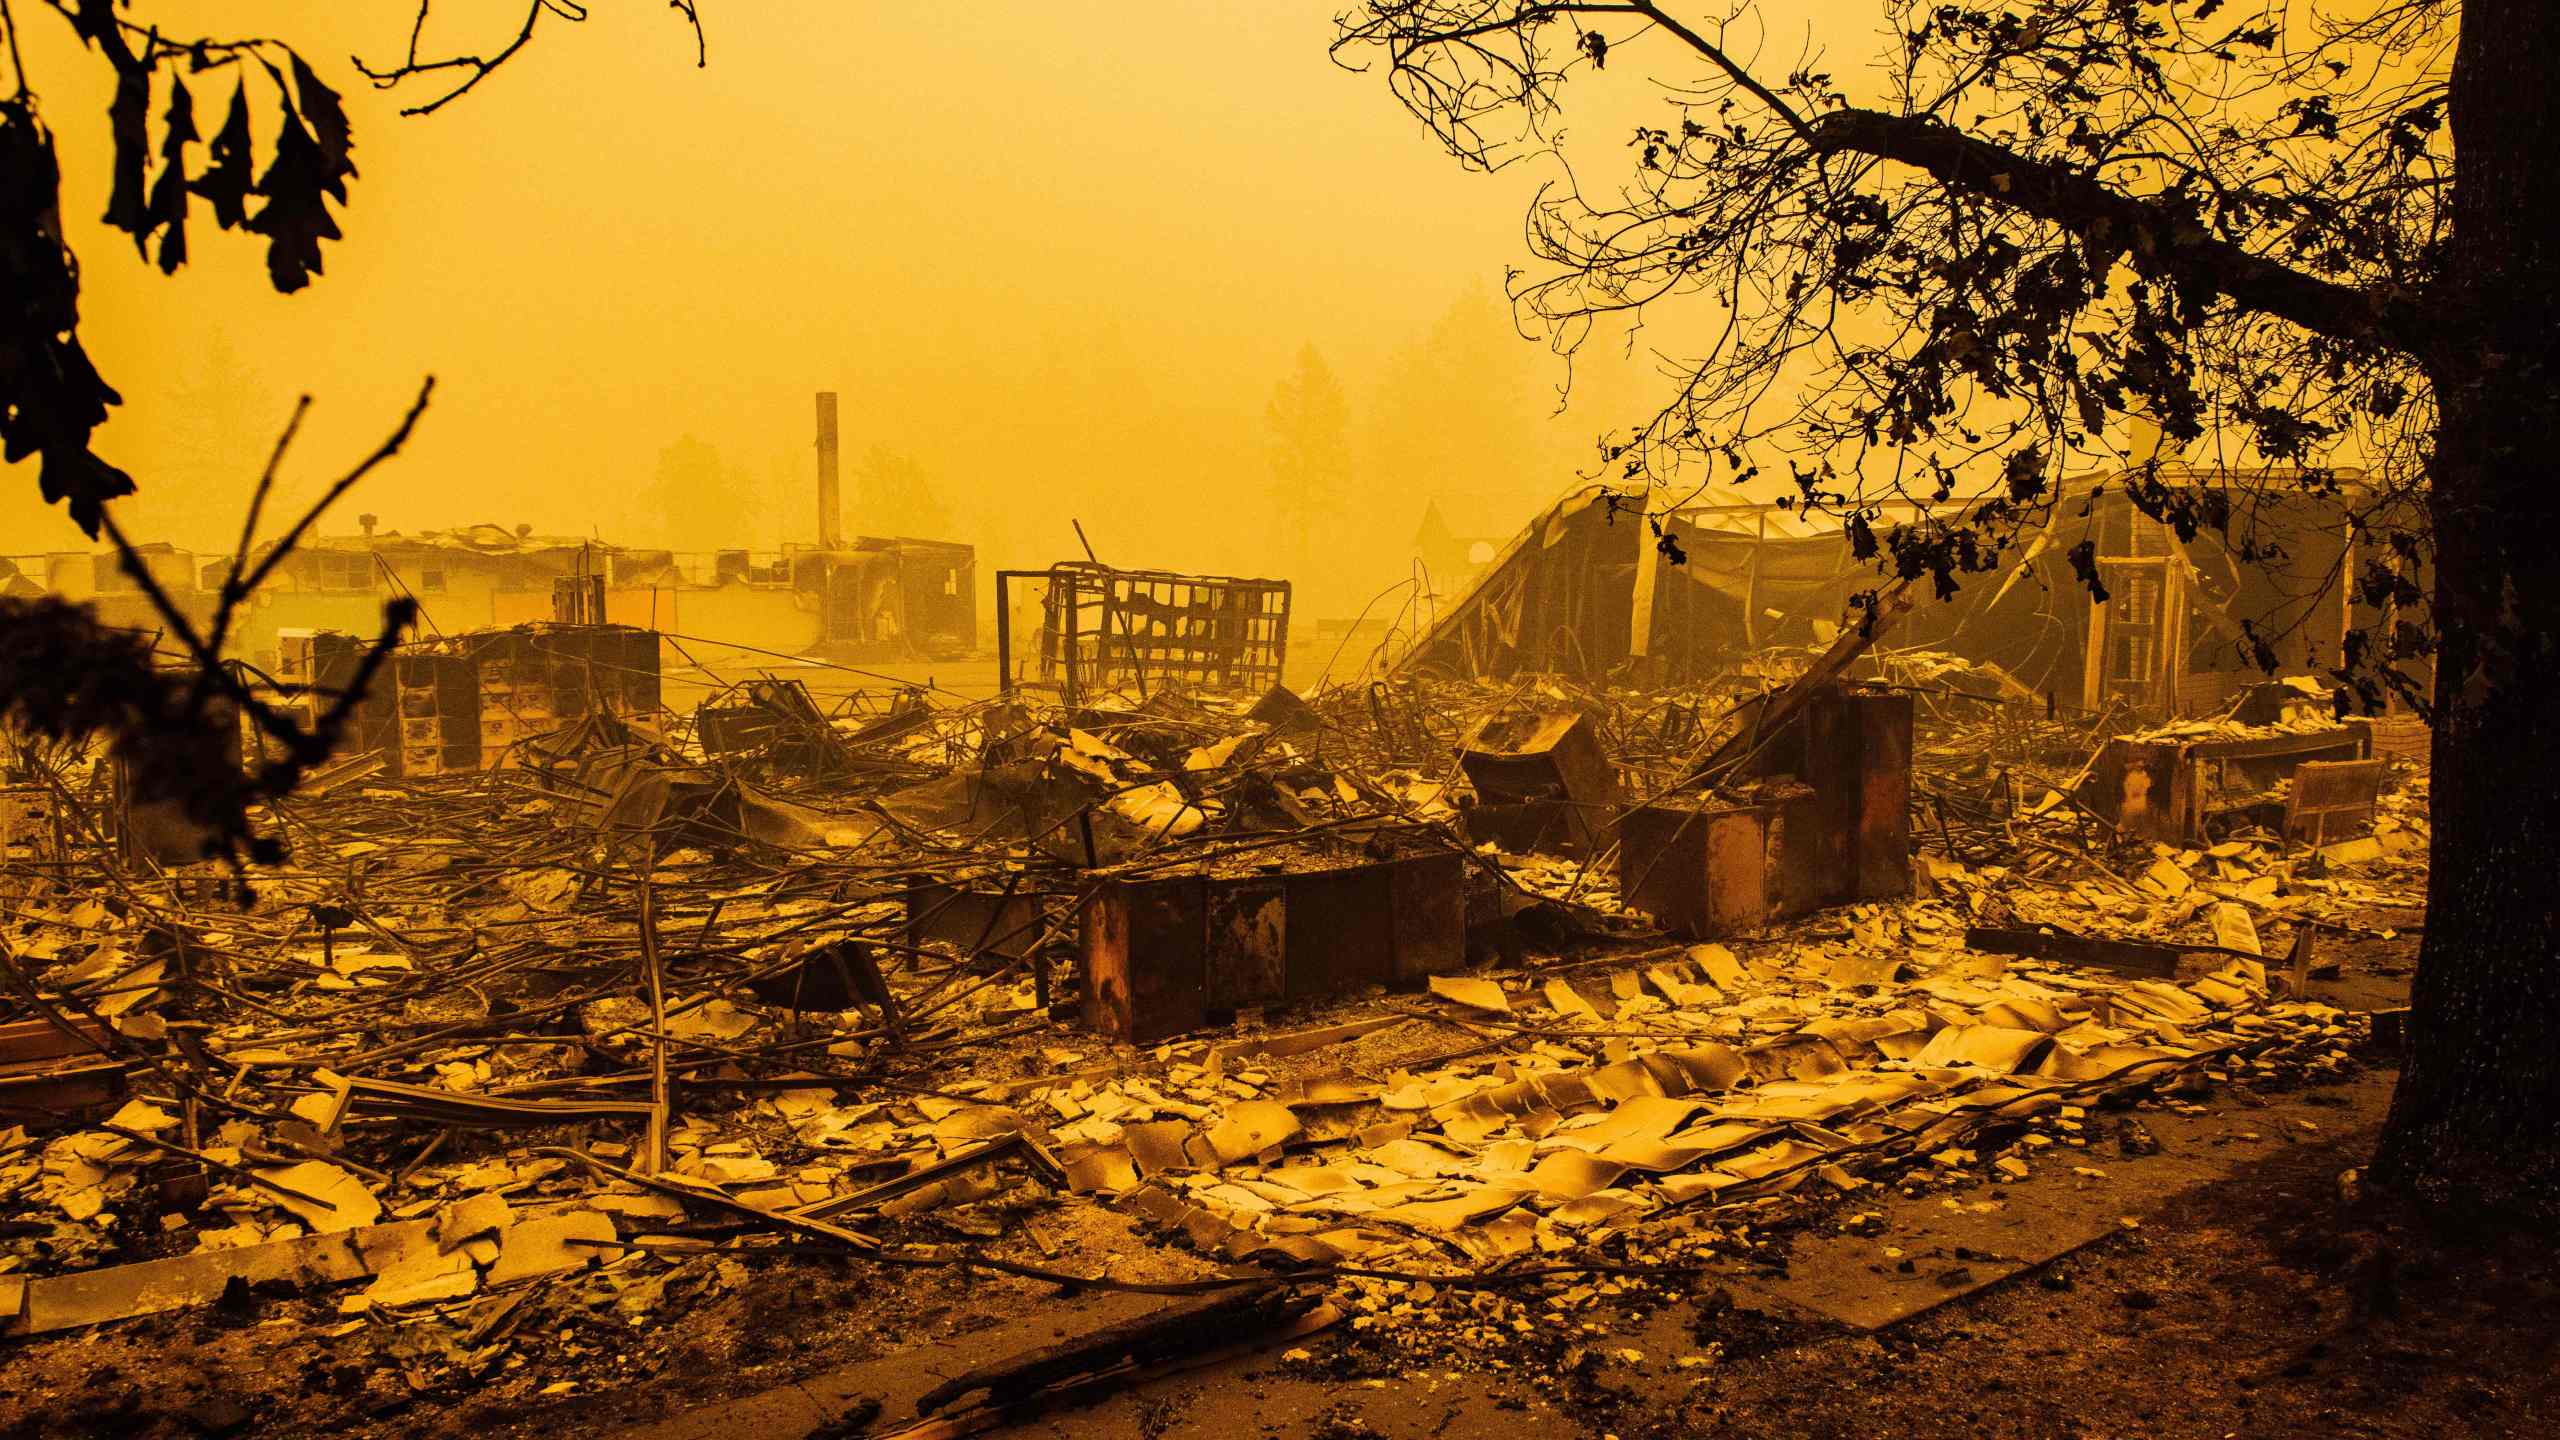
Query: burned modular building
point(473, 577)
point(889, 599)
point(1584, 591)
point(865, 599)
point(873, 598)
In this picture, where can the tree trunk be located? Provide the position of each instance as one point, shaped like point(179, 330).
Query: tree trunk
point(2476, 1120)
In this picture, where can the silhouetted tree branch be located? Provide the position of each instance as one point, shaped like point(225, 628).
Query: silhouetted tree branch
point(2043, 216)
point(66, 677)
point(474, 68)
point(168, 728)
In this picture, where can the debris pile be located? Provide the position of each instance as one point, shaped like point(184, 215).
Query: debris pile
point(604, 1025)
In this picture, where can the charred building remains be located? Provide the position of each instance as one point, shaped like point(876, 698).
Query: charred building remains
point(1583, 591)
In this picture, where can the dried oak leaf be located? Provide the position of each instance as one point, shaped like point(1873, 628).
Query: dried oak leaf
point(310, 168)
point(328, 127)
point(128, 120)
point(169, 193)
point(225, 182)
point(51, 396)
point(127, 125)
point(295, 218)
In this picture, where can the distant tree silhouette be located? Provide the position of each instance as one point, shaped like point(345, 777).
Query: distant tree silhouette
point(1463, 410)
point(892, 494)
point(696, 500)
point(1309, 430)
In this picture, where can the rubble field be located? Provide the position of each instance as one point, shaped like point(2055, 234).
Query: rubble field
point(1121, 1057)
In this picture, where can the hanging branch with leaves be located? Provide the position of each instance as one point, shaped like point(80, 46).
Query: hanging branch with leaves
point(1932, 285)
point(63, 675)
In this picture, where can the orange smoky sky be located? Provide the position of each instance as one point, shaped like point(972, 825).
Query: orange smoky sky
point(1054, 257)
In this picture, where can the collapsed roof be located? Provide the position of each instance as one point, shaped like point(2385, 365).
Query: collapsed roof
point(1582, 590)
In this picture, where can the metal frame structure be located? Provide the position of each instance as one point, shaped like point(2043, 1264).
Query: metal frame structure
point(1101, 628)
point(1577, 592)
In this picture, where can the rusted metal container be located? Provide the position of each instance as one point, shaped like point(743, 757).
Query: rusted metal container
point(1166, 954)
point(1542, 783)
point(1824, 819)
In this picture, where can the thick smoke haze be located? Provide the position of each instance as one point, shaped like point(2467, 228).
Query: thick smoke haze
point(1059, 261)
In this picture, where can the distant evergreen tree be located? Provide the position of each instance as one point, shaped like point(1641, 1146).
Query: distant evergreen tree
point(696, 501)
point(890, 493)
point(1310, 439)
point(1467, 414)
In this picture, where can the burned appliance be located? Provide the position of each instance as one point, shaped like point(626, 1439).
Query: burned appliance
point(1817, 814)
point(1166, 952)
point(775, 724)
point(1542, 783)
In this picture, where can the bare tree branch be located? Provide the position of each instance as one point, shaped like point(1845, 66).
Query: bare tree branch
point(2160, 236)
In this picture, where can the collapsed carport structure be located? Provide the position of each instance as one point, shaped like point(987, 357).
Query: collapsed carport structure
point(1583, 591)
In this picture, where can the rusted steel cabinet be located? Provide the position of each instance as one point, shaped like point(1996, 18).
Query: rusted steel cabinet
point(1829, 821)
point(1170, 954)
point(1882, 816)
